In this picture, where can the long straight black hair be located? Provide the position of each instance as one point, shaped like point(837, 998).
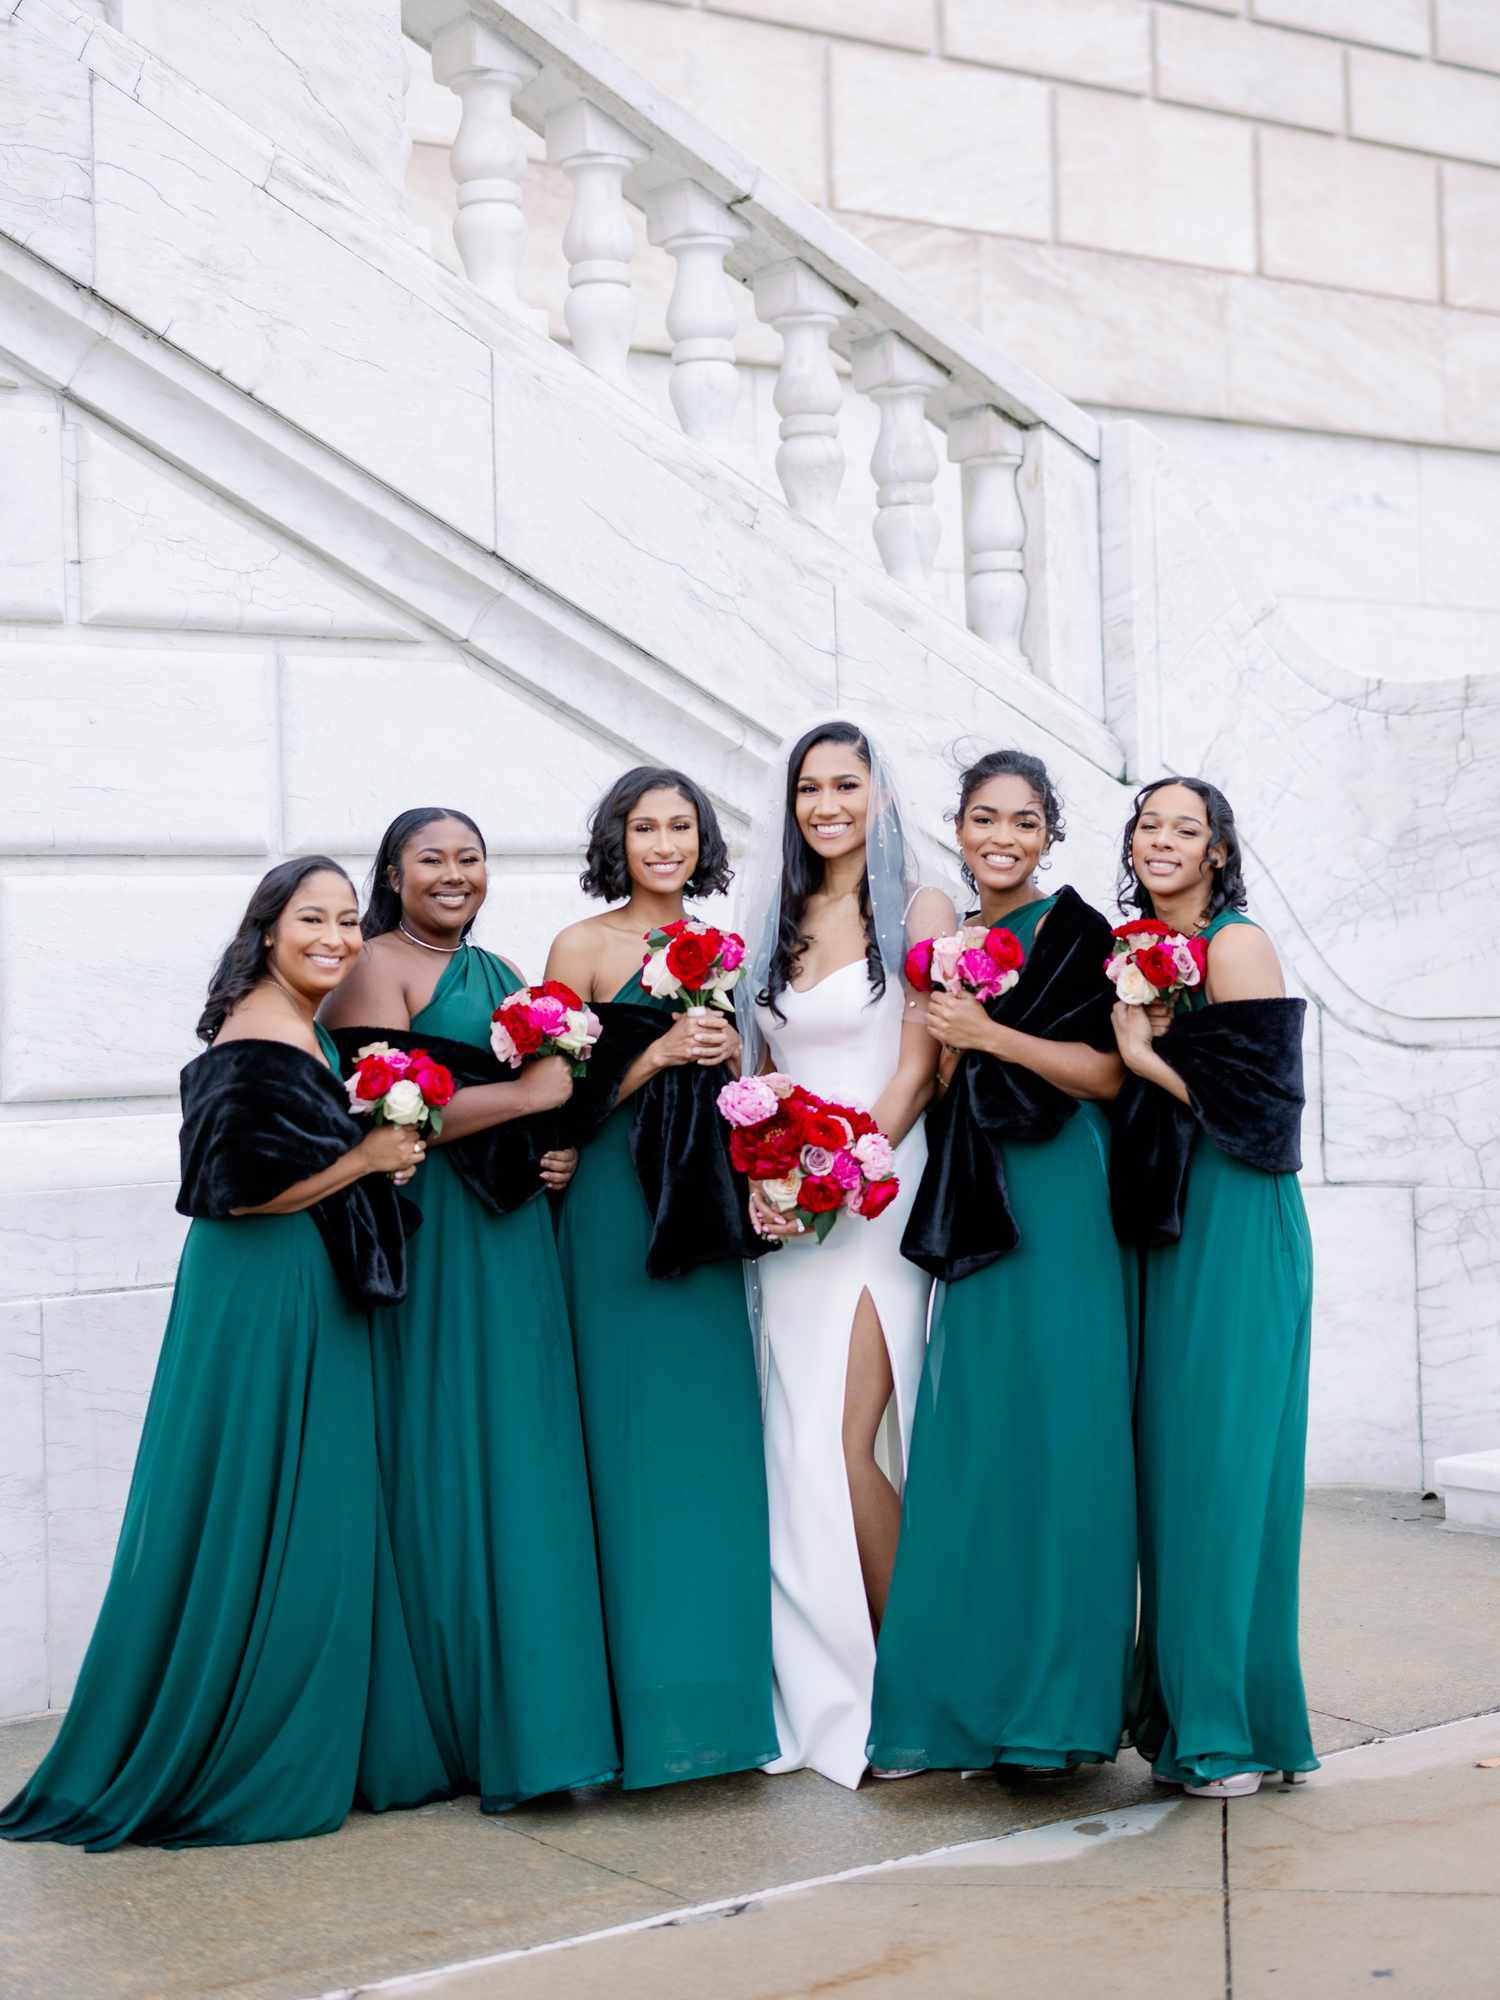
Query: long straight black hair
point(802, 873)
point(383, 905)
point(244, 961)
point(1226, 882)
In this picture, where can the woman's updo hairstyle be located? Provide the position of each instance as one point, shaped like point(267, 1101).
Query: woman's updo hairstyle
point(1227, 879)
point(1011, 764)
point(246, 958)
point(606, 873)
point(383, 905)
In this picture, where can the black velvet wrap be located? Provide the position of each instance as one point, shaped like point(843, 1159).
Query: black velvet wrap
point(502, 1164)
point(699, 1205)
point(1242, 1063)
point(259, 1116)
point(961, 1219)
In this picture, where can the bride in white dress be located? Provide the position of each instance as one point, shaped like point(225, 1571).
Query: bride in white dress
point(829, 915)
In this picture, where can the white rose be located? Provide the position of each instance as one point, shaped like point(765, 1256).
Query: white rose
point(658, 978)
point(782, 1195)
point(1134, 987)
point(404, 1104)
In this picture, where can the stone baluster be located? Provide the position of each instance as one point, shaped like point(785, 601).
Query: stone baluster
point(898, 378)
point(804, 309)
point(488, 160)
point(698, 229)
point(988, 449)
point(596, 153)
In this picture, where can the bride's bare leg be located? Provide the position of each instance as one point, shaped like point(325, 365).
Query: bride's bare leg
point(876, 1504)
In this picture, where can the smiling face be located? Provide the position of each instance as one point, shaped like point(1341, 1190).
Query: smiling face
point(441, 878)
point(1171, 849)
point(661, 841)
point(832, 799)
point(317, 937)
point(1003, 835)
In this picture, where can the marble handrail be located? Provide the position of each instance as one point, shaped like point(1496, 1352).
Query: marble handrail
point(722, 219)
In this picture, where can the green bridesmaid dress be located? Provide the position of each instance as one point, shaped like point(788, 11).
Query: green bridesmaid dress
point(671, 1411)
point(1007, 1637)
point(1221, 1429)
point(482, 1468)
point(225, 1695)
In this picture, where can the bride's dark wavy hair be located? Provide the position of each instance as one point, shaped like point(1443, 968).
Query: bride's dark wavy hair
point(605, 870)
point(1227, 882)
point(802, 873)
point(383, 903)
point(244, 960)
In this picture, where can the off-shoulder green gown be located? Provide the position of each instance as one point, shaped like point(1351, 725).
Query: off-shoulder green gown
point(482, 1468)
point(672, 1422)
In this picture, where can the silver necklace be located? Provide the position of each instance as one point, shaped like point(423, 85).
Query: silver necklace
point(447, 950)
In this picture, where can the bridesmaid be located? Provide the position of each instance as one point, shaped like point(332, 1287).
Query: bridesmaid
point(225, 1693)
point(666, 1366)
point(476, 1399)
point(1205, 1170)
point(1008, 1634)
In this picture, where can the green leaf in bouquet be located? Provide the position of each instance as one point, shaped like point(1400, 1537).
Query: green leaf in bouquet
point(434, 1120)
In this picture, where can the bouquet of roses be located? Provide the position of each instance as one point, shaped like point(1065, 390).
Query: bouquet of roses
point(809, 1159)
point(546, 1020)
point(973, 960)
point(399, 1086)
point(1150, 961)
point(693, 963)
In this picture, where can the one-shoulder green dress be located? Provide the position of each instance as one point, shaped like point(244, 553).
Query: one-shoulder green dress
point(1008, 1632)
point(671, 1410)
point(225, 1695)
point(1221, 1429)
point(482, 1468)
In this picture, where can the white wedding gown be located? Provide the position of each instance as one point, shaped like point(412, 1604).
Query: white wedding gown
point(839, 1041)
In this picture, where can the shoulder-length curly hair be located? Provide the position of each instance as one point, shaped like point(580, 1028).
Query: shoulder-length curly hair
point(1226, 882)
point(605, 871)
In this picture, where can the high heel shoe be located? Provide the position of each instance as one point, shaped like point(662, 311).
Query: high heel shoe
point(1241, 1785)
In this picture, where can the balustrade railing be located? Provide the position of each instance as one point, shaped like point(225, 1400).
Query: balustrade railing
point(722, 220)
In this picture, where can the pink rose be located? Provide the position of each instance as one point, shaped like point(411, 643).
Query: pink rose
point(976, 968)
point(549, 1015)
point(818, 1161)
point(732, 951)
point(845, 1170)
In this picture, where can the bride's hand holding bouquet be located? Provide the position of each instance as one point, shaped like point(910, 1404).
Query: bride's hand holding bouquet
point(808, 1161)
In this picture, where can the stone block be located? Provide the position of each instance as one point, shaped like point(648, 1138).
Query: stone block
point(99, 1355)
point(1254, 71)
point(1458, 1320)
point(149, 944)
point(1400, 642)
point(1363, 1422)
point(31, 507)
point(1358, 217)
point(1423, 1117)
point(1059, 491)
point(45, 150)
point(1387, 24)
point(1470, 1486)
point(905, 24)
point(731, 73)
point(946, 263)
point(323, 79)
point(281, 310)
point(1103, 329)
point(1470, 344)
point(996, 125)
point(156, 550)
point(1468, 31)
point(23, 1513)
point(1155, 180)
point(1104, 42)
point(1326, 360)
point(1425, 106)
point(55, 1154)
point(1461, 530)
point(89, 1239)
point(533, 798)
point(531, 898)
point(1471, 236)
point(115, 751)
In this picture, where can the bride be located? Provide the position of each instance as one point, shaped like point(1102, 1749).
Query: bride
point(829, 916)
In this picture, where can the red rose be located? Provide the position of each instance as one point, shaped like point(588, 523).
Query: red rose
point(820, 1196)
point(555, 990)
point(1004, 947)
point(691, 956)
point(673, 929)
point(877, 1195)
point(1158, 965)
point(1199, 951)
point(522, 1030)
point(434, 1082)
point(822, 1128)
point(375, 1078)
point(919, 966)
point(1143, 926)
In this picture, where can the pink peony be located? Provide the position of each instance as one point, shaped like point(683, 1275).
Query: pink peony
point(550, 1015)
point(876, 1155)
point(977, 969)
point(748, 1100)
point(845, 1170)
